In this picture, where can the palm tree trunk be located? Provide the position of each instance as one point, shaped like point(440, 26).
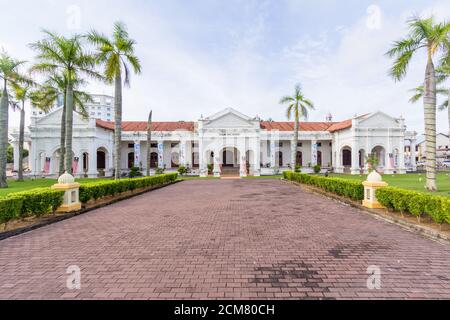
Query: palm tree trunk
point(448, 112)
point(118, 124)
point(149, 143)
point(21, 140)
point(3, 136)
point(430, 124)
point(62, 144)
point(295, 143)
point(69, 128)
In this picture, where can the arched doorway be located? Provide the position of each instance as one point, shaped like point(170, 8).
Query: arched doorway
point(299, 160)
point(279, 159)
point(175, 160)
point(362, 158)
point(250, 162)
point(380, 154)
point(85, 162)
point(319, 158)
point(230, 157)
point(154, 160)
point(347, 157)
point(195, 160)
point(130, 160)
point(101, 159)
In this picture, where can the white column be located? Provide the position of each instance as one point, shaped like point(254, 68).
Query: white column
point(137, 154)
point(160, 154)
point(30, 158)
point(355, 159)
point(201, 159)
point(273, 148)
point(413, 154)
point(257, 158)
point(16, 156)
point(183, 153)
point(92, 159)
point(388, 166)
point(216, 164)
point(401, 165)
point(313, 153)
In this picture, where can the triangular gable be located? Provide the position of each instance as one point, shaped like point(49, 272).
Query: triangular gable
point(378, 120)
point(229, 118)
point(54, 118)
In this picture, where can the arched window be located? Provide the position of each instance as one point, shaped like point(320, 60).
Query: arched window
point(130, 160)
point(299, 160)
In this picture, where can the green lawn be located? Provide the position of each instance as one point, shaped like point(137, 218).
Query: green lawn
point(14, 186)
point(409, 181)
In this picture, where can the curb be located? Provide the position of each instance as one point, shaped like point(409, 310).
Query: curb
point(56, 219)
point(422, 231)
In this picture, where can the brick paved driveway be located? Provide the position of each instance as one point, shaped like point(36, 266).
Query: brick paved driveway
point(223, 239)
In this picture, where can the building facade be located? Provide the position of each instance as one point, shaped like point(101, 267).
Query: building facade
point(227, 142)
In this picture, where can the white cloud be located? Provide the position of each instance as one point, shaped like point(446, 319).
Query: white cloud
point(374, 17)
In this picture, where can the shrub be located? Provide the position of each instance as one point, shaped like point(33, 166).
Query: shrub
point(160, 171)
point(317, 169)
point(98, 190)
point(210, 169)
point(10, 209)
point(39, 202)
point(182, 170)
point(415, 203)
point(135, 172)
point(346, 188)
point(298, 169)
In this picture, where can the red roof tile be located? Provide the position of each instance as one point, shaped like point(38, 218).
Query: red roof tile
point(142, 126)
point(341, 126)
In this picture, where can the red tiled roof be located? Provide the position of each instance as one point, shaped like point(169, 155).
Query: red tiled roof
point(289, 126)
point(142, 126)
point(341, 126)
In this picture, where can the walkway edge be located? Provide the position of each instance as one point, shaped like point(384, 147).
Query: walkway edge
point(56, 219)
point(423, 231)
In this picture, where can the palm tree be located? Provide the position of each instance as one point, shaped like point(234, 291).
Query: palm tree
point(299, 107)
point(60, 55)
point(116, 54)
point(432, 36)
point(22, 93)
point(47, 96)
point(9, 74)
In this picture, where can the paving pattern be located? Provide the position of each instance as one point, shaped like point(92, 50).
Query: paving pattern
point(232, 239)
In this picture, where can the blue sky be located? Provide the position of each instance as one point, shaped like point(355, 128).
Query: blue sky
point(202, 56)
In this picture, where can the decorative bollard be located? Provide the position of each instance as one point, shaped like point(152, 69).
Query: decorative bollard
point(71, 190)
point(373, 183)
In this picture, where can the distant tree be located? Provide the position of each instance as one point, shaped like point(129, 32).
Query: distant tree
point(298, 107)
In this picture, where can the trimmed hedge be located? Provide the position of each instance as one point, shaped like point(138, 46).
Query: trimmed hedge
point(98, 190)
point(37, 202)
point(342, 187)
point(415, 203)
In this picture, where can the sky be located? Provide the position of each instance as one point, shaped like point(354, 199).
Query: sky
point(202, 56)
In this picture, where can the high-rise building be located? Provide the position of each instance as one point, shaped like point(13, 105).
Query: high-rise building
point(101, 108)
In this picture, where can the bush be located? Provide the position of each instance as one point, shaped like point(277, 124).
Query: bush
point(415, 203)
point(298, 169)
point(182, 170)
point(346, 188)
point(210, 169)
point(98, 190)
point(135, 172)
point(160, 171)
point(10, 209)
point(39, 202)
point(317, 169)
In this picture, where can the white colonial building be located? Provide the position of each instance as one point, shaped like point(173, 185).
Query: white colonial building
point(227, 142)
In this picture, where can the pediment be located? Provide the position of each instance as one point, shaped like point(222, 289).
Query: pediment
point(378, 120)
point(229, 118)
point(54, 118)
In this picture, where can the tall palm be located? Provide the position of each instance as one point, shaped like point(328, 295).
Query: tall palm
point(22, 93)
point(433, 37)
point(58, 54)
point(116, 54)
point(9, 74)
point(47, 96)
point(298, 106)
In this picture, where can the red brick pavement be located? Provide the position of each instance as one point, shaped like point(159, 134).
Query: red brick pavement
point(249, 239)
